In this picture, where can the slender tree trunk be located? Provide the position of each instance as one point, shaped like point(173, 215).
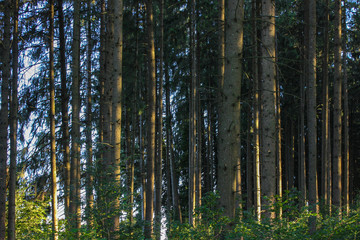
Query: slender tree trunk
point(268, 148)
point(4, 114)
point(158, 167)
point(337, 141)
point(229, 109)
point(89, 150)
point(13, 124)
point(311, 113)
point(52, 126)
point(325, 163)
point(346, 121)
point(64, 111)
point(249, 165)
point(75, 201)
point(302, 166)
point(257, 186)
point(150, 163)
point(278, 147)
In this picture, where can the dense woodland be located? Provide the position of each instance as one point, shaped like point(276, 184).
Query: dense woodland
point(195, 119)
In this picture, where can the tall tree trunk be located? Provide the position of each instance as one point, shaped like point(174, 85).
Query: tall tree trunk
point(117, 106)
point(325, 162)
point(346, 120)
point(337, 141)
point(4, 114)
point(13, 124)
point(64, 111)
point(158, 167)
point(75, 201)
point(268, 148)
point(55, 228)
point(150, 163)
point(249, 164)
point(255, 68)
point(278, 147)
point(311, 113)
point(229, 109)
point(89, 150)
point(192, 116)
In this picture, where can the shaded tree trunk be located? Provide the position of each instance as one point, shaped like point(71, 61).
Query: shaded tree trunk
point(75, 200)
point(13, 124)
point(4, 114)
point(64, 111)
point(150, 163)
point(89, 148)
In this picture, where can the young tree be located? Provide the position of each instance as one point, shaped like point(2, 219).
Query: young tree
point(229, 108)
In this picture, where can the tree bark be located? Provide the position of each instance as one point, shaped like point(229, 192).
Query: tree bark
point(337, 141)
point(75, 200)
point(55, 227)
point(4, 115)
point(229, 109)
point(13, 124)
point(150, 163)
point(268, 118)
point(89, 149)
point(64, 111)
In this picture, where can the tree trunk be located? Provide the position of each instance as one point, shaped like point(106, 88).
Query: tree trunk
point(150, 163)
point(229, 109)
point(13, 124)
point(346, 121)
point(268, 118)
point(325, 162)
point(117, 107)
point(337, 159)
point(55, 228)
point(89, 150)
point(4, 115)
point(75, 200)
point(64, 111)
point(278, 147)
point(158, 167)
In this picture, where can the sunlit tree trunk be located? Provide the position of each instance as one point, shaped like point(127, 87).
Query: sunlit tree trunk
point(75, 201)
point(13, 124)
point(117, 107)
point(150, 162)
point(65, 148)
point(337, 127)
point(268, 118)
point(88, 129)
point(256, 123)
point(229, 109)
point(278, 147)
point(4, 113)
point(52, 126)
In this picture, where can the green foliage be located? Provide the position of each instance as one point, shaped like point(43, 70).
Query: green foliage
point(294, 224)
point(31, 216)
